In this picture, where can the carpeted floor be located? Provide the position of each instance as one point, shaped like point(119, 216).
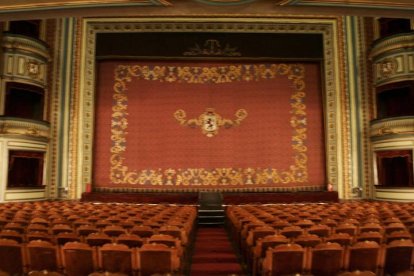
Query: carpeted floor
point(214, 254)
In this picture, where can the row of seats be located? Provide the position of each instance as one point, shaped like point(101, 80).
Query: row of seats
point(259, 229)
point(95, 236)
point(76, 258)
point(115, 237)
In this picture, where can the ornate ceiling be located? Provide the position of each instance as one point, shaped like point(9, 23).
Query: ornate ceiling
point(62, 7)
point(387, 4)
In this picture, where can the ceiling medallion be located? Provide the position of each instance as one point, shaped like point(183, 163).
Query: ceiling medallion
point(210, 121)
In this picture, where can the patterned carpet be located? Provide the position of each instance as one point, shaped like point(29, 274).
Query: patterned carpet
point(213, 254)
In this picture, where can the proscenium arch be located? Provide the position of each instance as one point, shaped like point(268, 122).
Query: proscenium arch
point(335, 132)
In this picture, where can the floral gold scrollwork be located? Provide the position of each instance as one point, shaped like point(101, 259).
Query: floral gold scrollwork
point(297, 172)
point(210, 121)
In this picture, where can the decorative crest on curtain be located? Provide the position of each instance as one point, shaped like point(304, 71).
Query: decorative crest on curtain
point(212, 47)
point(210, 121)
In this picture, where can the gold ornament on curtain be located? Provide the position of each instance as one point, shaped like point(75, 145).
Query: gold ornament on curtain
point(210, 121)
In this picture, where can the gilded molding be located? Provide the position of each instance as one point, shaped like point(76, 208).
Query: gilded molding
point(366, 104)
point(25, 60)
point(392, 126)
point(27, 129)
point(393, 59)
point(338, 151)
point(392, 43)
point(53, 96)
point(326, 27)
point(74, 169)
point(25, 44)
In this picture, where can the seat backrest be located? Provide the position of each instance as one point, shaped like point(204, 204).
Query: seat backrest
point(307, 240)
point(343, 239)
point(279, 224)
point(15, 227)
point(37, 227)
point(65, 237)
point(287, 259)
point(11, 235)
point(175, 231)
point(164, 239)
point(398, 256)
point(326, 251)
point(11, 256)
point(106, 273)
point(154, 261)
point(398, 235)
point(130, 240)
point(78, 259)
point(61, 228)
point(116, 258)
point(364, 256)
point(86, 229)
point(268, 242)
point(320, 230)
point(304, 223)
point(44, 273)
point(98, 239)
point(113, 230)
point(349, 228)
point(144, 231)
point(259, 233)
point(42, 255)
point(41, 221)
point(291, 231)
point(357, 273)
point(36, 235)
point(396, 226)
point(370, 236)
point(371, 227)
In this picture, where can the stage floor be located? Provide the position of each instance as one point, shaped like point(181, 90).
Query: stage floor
point(228, 198)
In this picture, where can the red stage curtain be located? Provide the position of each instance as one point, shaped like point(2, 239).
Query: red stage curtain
point(151, 133)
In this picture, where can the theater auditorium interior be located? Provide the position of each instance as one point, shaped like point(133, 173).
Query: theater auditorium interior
point(206, 137)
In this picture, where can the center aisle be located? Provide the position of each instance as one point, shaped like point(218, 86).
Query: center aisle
point(214, 254)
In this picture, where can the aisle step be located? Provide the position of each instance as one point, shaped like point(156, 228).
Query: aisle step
point(213, 254)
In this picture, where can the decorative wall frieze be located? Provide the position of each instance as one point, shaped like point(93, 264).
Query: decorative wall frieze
point(25, 59)
point(393, 59)
point(24, 128)
point(392, 126)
